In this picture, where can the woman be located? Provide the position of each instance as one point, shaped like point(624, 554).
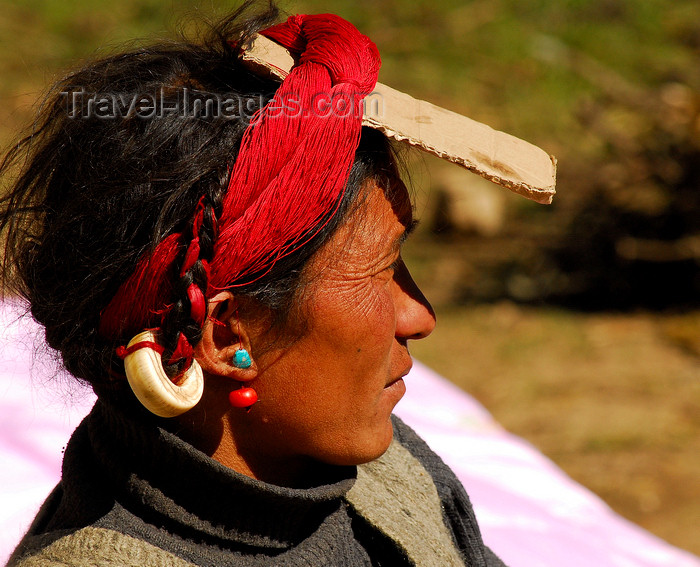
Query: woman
point(224, 269)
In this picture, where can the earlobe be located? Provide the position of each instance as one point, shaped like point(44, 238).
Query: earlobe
point(223, 336)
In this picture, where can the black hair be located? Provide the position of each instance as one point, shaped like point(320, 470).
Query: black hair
point(99, 184)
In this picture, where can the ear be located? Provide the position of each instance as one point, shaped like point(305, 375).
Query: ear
point(222, 335)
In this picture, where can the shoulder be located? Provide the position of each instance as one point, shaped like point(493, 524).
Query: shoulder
point(447, 484)
point(457, 510)
point(396, 495)
point(92, 547)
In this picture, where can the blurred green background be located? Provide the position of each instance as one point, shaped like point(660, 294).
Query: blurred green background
point(578, 324)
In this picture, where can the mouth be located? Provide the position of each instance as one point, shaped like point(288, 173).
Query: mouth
point(400, 376)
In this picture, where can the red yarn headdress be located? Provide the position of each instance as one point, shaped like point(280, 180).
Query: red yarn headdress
point(290, 173)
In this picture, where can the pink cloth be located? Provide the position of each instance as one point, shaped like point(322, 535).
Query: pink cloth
point(531, 514)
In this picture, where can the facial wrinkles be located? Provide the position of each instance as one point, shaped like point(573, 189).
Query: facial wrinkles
point(356, 290)
point(349, 269)
point(385, 244)
point(361, 273)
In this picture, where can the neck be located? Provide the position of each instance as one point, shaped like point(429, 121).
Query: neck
point(229, 436)
point(161, 476)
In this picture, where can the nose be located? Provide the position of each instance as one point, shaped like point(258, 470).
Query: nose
point(415, 318)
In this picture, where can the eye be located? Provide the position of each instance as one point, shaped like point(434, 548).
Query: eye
point(386, 273)
point(395, 264)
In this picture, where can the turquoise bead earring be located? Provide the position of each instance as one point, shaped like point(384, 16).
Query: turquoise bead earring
point(241, 358)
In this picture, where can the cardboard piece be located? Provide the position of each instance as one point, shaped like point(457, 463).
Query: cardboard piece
point(496, 156)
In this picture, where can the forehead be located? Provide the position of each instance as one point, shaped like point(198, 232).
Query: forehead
point(381, 218)
point(374, 229)
point(379, 201)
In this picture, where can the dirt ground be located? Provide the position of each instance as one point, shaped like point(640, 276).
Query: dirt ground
point(611, 398)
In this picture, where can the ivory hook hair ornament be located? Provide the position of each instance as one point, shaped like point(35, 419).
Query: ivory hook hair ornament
point(152, 386)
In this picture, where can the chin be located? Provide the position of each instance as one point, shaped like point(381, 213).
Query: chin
point(375, 446)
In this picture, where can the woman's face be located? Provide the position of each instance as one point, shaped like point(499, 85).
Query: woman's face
point(327, 394)
point(330, 394)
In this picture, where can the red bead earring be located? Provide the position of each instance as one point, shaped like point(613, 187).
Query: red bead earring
point(243, 398)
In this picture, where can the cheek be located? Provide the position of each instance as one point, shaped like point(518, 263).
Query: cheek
point(367, 318)
point(328, 399)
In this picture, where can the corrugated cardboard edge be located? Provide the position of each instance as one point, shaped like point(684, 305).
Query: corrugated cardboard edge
point(499, 157)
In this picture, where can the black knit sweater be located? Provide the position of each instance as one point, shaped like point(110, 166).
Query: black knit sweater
point(134, 494)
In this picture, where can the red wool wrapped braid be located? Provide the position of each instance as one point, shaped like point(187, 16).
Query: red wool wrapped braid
point(289, 175)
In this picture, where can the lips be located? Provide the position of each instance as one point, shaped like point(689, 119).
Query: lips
point(400, 376)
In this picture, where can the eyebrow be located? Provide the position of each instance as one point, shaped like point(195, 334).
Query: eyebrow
point(409, 230)
point(405, 234)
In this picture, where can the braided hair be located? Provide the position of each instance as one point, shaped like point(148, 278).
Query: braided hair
point(94, 193)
